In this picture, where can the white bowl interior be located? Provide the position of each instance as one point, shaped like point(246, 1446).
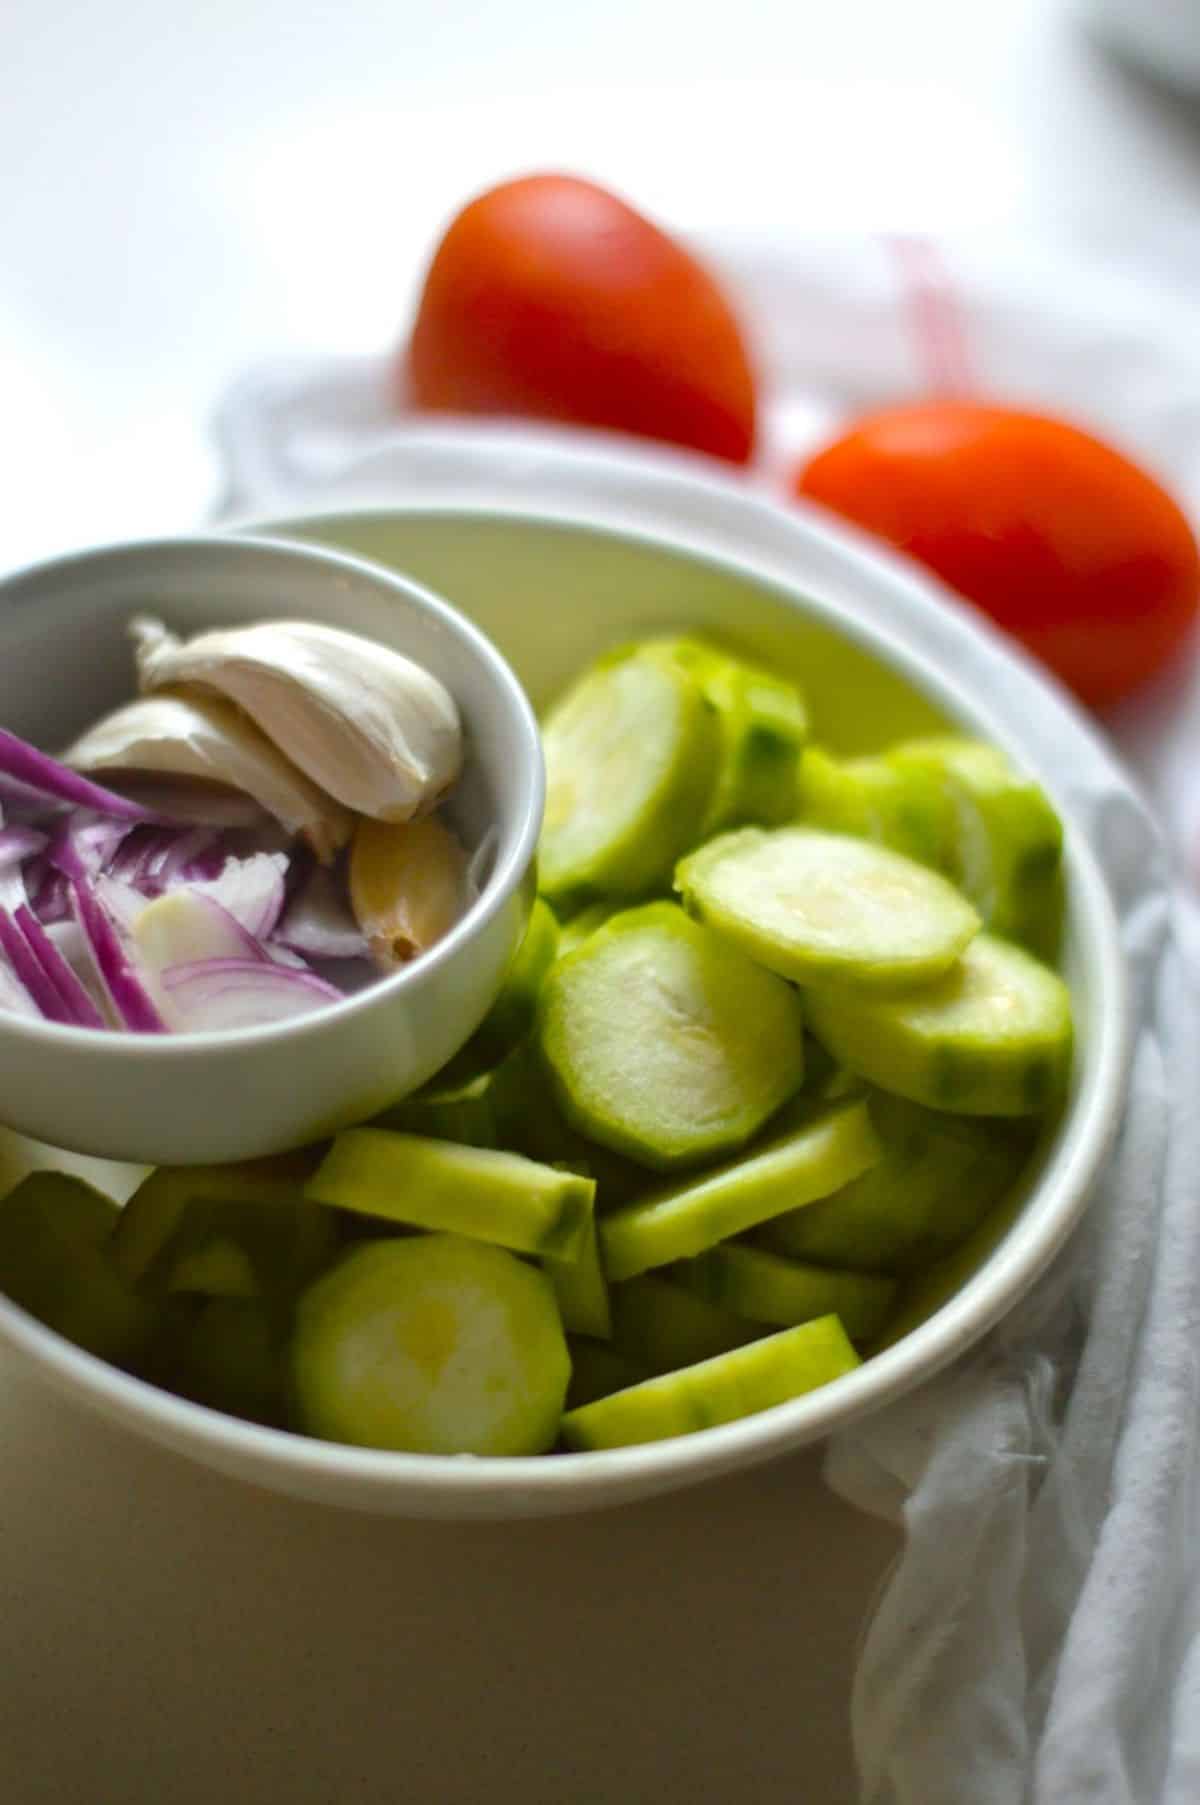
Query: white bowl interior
point(551, 595)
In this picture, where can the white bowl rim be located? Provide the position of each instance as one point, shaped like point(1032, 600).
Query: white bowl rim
point(570, 1480)
point(508, 869)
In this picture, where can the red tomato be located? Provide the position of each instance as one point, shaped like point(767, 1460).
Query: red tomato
point(1061, 540)
point(549, 297)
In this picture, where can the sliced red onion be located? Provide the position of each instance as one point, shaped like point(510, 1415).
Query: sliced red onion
point(83, 1011)
point(31, 777)
point(252, 908)
point(68, 937)
point(19, 843)
point(122, 901)
point(242, 993)
point(109, 947)
point(318, 921)
point(253, 890)
point(283, 955)
point(196, 856)
point(86, 842)
point(41, 987)
point(47, 891)
point(12, 887)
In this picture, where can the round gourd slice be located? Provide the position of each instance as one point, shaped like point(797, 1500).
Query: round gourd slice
point(904, 808)
point(818, 906)
point(631, 754)
point(1007, 840)
point(433, 1344)
point(991, 1038)
point(665, 1042)
point(763, 724)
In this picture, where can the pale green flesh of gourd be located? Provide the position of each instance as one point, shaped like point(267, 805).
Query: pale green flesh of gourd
point(665, 1043)
point(630, 753)
point(815, 906)
point(993, 1037)
point(433, 1344)
point(1006, 840)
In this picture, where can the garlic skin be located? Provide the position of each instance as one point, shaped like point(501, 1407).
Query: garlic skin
point(373, 729)
point(207, 738)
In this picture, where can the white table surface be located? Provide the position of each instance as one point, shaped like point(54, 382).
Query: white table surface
point(184, 191)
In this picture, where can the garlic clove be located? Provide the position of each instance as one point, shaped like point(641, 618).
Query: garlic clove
point(206, 738)
point(407, 886)
point(372, 728)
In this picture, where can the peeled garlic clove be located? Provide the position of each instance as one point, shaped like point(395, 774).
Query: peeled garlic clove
point(368, 725)
point(204, 737)
point(407, 886)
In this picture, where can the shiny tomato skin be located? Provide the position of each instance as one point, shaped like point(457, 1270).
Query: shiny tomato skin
point(549, 297)
point(1064, 542)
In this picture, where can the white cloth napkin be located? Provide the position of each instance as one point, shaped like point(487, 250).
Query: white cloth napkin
point(1039, 1637)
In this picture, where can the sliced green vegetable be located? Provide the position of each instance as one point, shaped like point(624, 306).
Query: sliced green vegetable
point(720, 1390)
point(436, 1344)
point(217, 1267)
point(79, 1210)
point(270, 1189)
point(597, 1370)
point(449, 1111)
point(631, 753)
point(938, 1177)
point(662, 1327)
point(511, 1016)
point(684, 1218)
point(993, 1037)
point(1007, 840)
point(763, 728)
point(765, 1287)
point(55, 1266)
point(584, 923)
point(924, 1292)
point(817, 906)
point(906, 809)
point(581, 1289)
point(476, 1191)
point(665, 1043)
point(533, 1124)
point(232, 1357)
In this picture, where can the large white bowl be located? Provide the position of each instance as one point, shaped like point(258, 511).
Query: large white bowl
point(65, 659)
point(556, 553)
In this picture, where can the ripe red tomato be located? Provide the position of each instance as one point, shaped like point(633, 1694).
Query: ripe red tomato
point(549, 297)
point(1062, 541)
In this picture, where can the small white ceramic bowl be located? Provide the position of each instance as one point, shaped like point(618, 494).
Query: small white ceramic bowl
point(556, 550)
point(186, 1098)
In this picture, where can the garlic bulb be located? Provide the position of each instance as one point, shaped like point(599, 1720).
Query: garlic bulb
point(207, 738)
point(372, 728)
